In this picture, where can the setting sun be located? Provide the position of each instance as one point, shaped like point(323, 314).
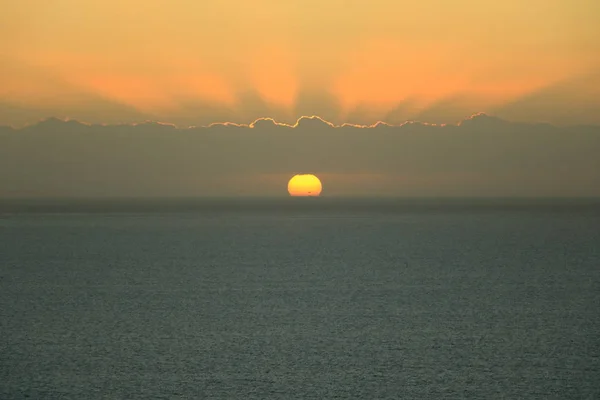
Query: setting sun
point(305, 185)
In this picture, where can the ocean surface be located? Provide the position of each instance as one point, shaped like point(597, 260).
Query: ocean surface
point(311, 300)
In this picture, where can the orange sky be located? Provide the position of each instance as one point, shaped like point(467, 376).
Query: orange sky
point(196, 62)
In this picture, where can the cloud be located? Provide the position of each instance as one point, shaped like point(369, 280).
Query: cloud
point(479, 156)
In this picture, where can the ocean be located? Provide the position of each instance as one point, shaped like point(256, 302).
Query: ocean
point(308, 299)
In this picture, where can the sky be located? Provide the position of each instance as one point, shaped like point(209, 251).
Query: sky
point(165, 98)
point(192, 62)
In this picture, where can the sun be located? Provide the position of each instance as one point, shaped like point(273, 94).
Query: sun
point(305, 185)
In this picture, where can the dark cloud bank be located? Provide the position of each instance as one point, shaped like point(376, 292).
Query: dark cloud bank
point(481, 156)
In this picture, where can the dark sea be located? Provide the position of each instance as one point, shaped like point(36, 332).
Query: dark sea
point(307, 299)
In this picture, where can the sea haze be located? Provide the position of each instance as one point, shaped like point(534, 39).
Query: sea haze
point(300, 298)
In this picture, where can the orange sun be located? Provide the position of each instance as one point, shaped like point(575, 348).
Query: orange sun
point(304, 185)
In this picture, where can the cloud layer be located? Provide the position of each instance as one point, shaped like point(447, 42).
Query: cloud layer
point(481, 156)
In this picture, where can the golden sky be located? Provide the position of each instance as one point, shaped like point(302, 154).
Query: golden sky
point(196, 62)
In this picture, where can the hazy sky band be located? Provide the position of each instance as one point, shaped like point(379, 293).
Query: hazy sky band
point(481, 157)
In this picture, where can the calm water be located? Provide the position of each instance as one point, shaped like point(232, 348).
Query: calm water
point(447, 303)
